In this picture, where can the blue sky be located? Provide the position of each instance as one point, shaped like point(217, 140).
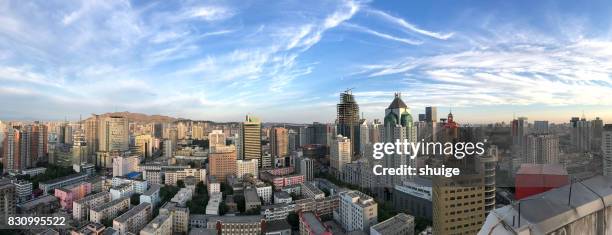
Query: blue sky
point(288, 60)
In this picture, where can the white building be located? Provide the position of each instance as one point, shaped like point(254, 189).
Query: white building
point(212, 208)
point(160, 225)
point(213, 187)
point(134, 219)
point(139, 186)
point(244, 167)
point(151, 196)
point(340, 153)
point(356, 212)
point(124, 165)
point(23, 190)
point(264, 191)
point(307, 168)
point(182, 197)
point(281, 197)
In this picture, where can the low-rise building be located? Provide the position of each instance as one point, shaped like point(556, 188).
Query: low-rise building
point(80, 208)
point(237, 225)
point(309, 190)
point(264, 191)
point(109, 210)
point(282, 197)
point(279, 227)
point(357, 211)
point(212, 208)
point(23, 190)
point(277, 211)
point(134, 219)
point(174, 175)
point(46, 204)
point(251, 199)
point(124, 190)
point(310, 224)
point(160, 225)
point(182, 196)
point(50, 185)
point(151, 196)
point(400, 224)
point(139, 186)
point(180, 216)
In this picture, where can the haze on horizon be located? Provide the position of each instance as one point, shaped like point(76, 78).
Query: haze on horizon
point(288, 62)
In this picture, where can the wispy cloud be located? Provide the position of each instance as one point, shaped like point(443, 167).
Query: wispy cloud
point(383, 35)
point(408, 26)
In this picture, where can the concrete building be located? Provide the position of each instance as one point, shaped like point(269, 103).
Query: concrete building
point(160, 225)
point(151, 196)
point(279, 143)
point(587, 211)
point(7, 199)
point(311, 224)
point(264, 191)
point(216, 138)
point(113, 134)
point(414, 197)
point(307, 168)
point(80, 208)
point(357, 211)
point(145, 145)
point(174, 175)
point(182, 197)
point(109, 210)
point(23, 190)
point(180, 216)
point(134, 219)
point(250, 167)
point(309, 190)
point(222, 164)
point(580, 134)
point(279, 227)
point(340, 154)
point(282, 197)
point(237, 225)
point(50, 185)
point(541, 149)
point(400, 224)
point(251, 199)
point(212, 208)
point(124, 165)
point(606, 148)
point(277, 211)
point(124, 190)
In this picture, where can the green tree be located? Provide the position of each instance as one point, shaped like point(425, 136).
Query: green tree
point(167, 192)
point(135, 199)
point(180, 183)
point(239, 199)
point(201, 189)
point(293, 219)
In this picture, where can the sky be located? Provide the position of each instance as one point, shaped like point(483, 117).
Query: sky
point(287, 61)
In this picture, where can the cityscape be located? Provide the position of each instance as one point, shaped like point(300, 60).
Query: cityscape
point(348, 117)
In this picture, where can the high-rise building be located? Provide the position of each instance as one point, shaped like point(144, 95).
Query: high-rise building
point(145, 145)
point(216, 138)
point(247, 167)
point(279, 143)
point(606, 148)
point(222, 164)
point(11, 150)
point(597, 126)
point(182, 130)
point(581, 134)
point(307, 168)
point(113, 134)
point(294, 140)
point(92, 134)
point(541, 127)
point(357, 211)
point(33, 144)
point(398, 125)
point(79, 148)
point(198, 132)
point(348, 119)
point(250, 139)
point(340, 154)
point(519, 130)
point(541, 149)
point(7, 199)
point(364, 135)
point(431, 114)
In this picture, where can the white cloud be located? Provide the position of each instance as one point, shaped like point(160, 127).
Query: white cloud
point(383, 35)
point(211, 13)
point(408, 26)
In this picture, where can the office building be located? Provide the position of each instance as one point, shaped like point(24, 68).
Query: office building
point(541, 149)
point(222, 164)
point(357, 211)
point(398, 125)
point(134, 219)
point(347, 120)
point(145, 144)
point(307, 168)
point(122, 165)
point(541, 127)
point(92, 135)
point(250, 139)
point(400, 224)
point(431, 114)
point(113, 134)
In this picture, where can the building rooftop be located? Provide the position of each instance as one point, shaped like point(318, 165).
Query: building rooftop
point(250, 195)
point(393, 224)
point(548, 211)
point(40, 200)
point(64, 178)
point(154, 188)
point(131, 212)
point(237, 219)
point(109, 204)
point(359, 198)
point(155, 223)
point(92, 196)
point(313, 222)
point(278, 225)
point(282, 195)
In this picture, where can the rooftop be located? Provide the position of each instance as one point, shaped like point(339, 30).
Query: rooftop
point(237, 219)
point(154, 188)
point(110, 204)
point(155, 223)
point(313, 222)
point(64, 178)
point(282, 195)
point(135, 210)
point(394, 223)
point(542, 169)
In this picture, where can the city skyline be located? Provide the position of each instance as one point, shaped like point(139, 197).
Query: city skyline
point(546, 60)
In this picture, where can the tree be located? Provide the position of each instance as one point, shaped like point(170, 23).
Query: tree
point(135, 199)
point(180, 183)
point(293, 219)
point(239, 199)
point(226, 189)
point(108, 222)
point(201, 189)
point(167, 192)
point(223, 208)
point(421, 223)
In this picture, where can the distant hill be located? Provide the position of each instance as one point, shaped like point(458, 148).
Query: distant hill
point(140, 117)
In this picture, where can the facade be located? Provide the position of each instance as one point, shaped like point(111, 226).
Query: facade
point(250, 139)
point(244, 167)
point(311, 224)
point(222, 164)
point(23, 190)
point(124, 190)
point(340, 153)
point(400, 224)
point(581, 134)
point(458, 204)
point(606, 148)
point(180, 216)
point(109, 210)
point(113, 134)
point(134, 219)
point(160, 225)
point(49, 186)
point(347, 120)
point(541, 149)
point(216, 138)
point(151, 196)
point(251, 199)
point(174, 175)
point(145, 145)
point(80, 208)
point(7, 199)
point(398, 125)
point(277, 211)
point(124, 165)
point(307, 168)
point(279, 142)
point(237, 225)
point(264, 191)
point(357, 211)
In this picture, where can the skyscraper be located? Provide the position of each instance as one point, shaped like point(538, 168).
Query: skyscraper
point(597, 126)
point(113, 134)
point(606, 148)
point(216, 138)
point(431, 114)
point(519, 130)
point(33, 144)
point(11, 150)
point(92, 134)
point(398, 125)
point(364, 135)
point(250, 139)
point(541, 149)
point(580, 134)
point(222, 164)
point(540, 127)
point(348, 119)
point(279, 141)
